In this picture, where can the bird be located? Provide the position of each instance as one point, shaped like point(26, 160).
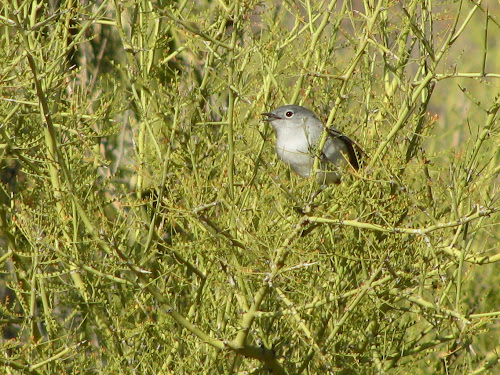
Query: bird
point(298, 130)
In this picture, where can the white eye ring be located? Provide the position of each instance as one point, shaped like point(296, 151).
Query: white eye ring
point(289, 114)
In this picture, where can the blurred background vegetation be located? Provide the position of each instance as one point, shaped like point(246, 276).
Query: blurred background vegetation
point(148, 226)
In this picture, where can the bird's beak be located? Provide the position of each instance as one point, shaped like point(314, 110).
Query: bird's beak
point(270, 116)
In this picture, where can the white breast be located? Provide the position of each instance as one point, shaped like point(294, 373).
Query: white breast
point(295, 150)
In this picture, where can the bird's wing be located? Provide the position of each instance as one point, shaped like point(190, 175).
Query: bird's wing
point(354, 152)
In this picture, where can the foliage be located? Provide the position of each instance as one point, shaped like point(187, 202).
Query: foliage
point(148, 226)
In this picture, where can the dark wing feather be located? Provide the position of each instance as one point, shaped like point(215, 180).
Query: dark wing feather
point(355, 152)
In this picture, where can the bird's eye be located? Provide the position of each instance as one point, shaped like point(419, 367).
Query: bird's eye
point(289, 114)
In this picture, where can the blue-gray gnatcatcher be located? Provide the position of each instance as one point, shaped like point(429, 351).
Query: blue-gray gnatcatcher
point(298, 131)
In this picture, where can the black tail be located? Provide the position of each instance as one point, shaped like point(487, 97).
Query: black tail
point(356, 153)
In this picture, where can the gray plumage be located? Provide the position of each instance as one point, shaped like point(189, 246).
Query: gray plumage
point(297, 132)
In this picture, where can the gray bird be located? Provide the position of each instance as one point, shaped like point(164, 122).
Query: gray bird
point(298, 130)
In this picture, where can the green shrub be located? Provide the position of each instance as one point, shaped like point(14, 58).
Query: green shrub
point(148, 226)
